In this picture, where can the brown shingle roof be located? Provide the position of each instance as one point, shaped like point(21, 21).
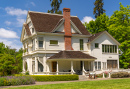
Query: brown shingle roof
point(44, 22)
point(27, 29)
point(71, 55)
point(94, 36)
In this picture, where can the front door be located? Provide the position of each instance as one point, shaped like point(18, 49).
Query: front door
point(54, 66)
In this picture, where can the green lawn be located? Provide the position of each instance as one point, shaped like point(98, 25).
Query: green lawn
point(100, 84)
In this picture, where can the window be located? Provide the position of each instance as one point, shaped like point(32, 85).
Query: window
point(104, 65)
point(33, 64)
point(96, 45)
point(109, 48)
point(81, 44)
point(95, 65)
point(53, 42)
point(98, 65)
point(111, 64)
point(32, 30)
point(40, 41)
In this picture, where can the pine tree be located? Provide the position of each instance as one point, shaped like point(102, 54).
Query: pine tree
point(98, 9)
point(55, 4)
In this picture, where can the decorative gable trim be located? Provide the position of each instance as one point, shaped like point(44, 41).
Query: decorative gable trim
point(59, 24)
point(75, 27)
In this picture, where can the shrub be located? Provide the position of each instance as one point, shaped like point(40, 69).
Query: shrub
point(27, 73)
point(120, 75)
point(55, 77)
point(16, 80)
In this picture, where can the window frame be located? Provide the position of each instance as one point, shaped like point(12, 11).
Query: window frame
point(107, 48)
point(81, 44)
point(97, 45)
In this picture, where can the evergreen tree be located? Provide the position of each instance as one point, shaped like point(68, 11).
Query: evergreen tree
point(98, 9)
point(55, 4)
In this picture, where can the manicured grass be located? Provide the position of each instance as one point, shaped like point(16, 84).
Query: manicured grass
point(100, 84)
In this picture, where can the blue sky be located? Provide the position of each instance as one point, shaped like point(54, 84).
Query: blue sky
point(13, 14)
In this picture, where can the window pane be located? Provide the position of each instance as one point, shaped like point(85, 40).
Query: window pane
point(110, 48)
point(41, 44)
point(81, 44)
point(54, 42)
point(99, 65)
point(33, 66)
point(103, 48)
point(115, 49)
point(96, 45)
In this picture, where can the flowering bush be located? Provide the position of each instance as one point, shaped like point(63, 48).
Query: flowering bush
point(16, 80)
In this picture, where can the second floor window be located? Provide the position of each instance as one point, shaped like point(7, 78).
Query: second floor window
point(96, 45)
point(40, 42)
point(81, 44)
point(109, 48)
point(53, 42)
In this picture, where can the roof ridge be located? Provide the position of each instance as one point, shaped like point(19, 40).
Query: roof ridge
point(48, 13)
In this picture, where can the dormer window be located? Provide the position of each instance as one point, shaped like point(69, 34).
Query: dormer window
point(32, 30)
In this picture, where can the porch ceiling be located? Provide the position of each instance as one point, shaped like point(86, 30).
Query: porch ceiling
point(72, 55)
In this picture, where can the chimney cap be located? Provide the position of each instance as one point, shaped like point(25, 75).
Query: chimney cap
point(66, 9)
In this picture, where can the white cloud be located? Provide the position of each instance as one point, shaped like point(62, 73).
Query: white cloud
point(12, 43)
point(32, 3)
point(87, 19)
point(20, 22)
point(7, 22)
point(15, 11)
point(7, 33)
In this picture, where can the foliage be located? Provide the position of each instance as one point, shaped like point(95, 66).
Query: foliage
point(100, 24)
point(98, 9)
point(118, 25)
point(55, 77)
point(10, 60)
point(120, 75)
point(119, 28)
point(99, 75)
point(16, 80)
point(27, 73)
point(55, 4)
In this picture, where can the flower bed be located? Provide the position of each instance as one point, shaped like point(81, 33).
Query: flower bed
point(16, 80)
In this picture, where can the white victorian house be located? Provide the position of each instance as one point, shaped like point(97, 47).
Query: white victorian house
point(60, 44)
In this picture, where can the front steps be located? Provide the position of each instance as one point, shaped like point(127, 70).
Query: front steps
point(82, 77)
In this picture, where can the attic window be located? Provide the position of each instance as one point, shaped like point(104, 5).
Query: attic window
point(32, 30)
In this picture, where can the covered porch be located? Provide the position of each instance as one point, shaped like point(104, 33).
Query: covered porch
point(71, 62)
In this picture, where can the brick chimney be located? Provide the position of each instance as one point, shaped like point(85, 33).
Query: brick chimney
point(67, 29)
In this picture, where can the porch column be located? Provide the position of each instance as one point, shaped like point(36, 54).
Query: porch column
point(57, 68)
point(83, 70)
point(72, 70)
point(23, 66)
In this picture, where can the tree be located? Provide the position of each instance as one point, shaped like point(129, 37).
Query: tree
point(100, 24)
point(119, 28)
point(98, 9)
point(10, 60)
point(55, 4)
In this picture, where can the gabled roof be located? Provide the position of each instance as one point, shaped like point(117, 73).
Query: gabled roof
point(44, 22)
point(71, 55)
point(95, 36)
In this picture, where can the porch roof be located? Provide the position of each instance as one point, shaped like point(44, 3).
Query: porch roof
point(72, 55)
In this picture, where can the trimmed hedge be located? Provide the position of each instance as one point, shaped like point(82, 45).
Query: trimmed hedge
point(120, 75)
point(55, 77)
